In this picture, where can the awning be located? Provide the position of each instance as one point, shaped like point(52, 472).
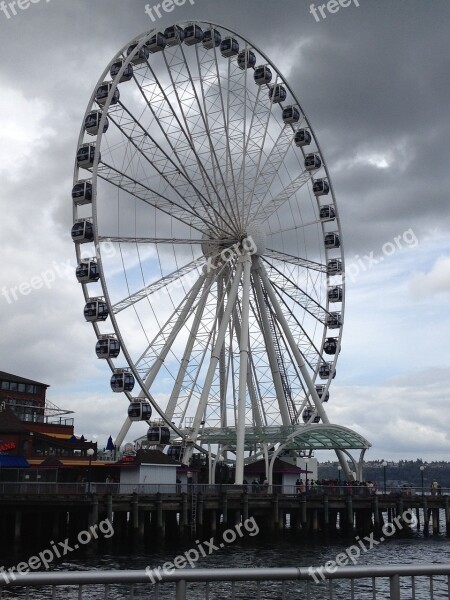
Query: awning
point(14, 462)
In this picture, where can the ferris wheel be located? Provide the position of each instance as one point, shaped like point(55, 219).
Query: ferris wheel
point(208, 243)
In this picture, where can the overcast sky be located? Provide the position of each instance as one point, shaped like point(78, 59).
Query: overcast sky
point(374, 81)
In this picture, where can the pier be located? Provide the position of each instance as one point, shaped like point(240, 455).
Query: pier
point(57, 511)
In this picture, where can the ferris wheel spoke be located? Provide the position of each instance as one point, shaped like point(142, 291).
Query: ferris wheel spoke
point(268, 336)
point(175, 177)
point(260, 410)
point(301, 297)
point(262, 367)
point(154, 356)
point(261, 272)
point(193, 338)
point(251, 388)
point(295, 227)
point(225, 120)
point(190, 97)
point(153, 198)
point(295, 260)
point(311, 353)
point(269, 171)
point(157, 286)
point(185, 154)
point(207, 69)
point(269, 207)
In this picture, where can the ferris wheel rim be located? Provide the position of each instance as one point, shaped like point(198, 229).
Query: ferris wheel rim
point(141, 42)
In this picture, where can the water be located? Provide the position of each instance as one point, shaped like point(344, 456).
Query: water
point(291, 551)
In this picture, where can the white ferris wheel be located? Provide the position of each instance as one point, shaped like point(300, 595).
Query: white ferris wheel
point(208, 243)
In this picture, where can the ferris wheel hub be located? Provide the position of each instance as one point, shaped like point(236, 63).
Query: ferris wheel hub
point(255, 239)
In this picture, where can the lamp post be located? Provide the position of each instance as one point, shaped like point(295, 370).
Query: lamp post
point(422, 469)
point(384, 463)
point(90, 454)
point(339, 473)
point(306, 476)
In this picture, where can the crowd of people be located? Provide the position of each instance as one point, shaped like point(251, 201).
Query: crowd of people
point(330, 486)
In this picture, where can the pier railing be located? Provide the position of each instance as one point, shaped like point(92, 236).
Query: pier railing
point(80, 489)
point(362, 582)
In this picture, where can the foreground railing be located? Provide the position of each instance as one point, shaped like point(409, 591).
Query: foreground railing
point(422, 582)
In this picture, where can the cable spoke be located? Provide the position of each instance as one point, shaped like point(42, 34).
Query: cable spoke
point(155, 287)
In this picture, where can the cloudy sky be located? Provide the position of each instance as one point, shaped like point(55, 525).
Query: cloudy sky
point(373, 79)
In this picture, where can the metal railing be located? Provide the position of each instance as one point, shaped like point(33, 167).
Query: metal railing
point(428, 581)
point(101, 488)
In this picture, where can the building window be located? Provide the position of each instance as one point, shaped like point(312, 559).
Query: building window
point(5, 385)
point(21, 387)
point(13, 386)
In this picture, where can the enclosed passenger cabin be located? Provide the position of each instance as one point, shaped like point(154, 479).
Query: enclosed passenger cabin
point(302, 138)
point(173, 35)
point(87, 271)
point(108, 346)
point(211, 39)
point(159, 435)
point(102, 93)
point(122, 381)
point(291, 114)
point(334, 267)
point(335, 293)
point(82, 231)
point(320, 389)
point(175, 452)
point(277, 93)
point(331, 345)
point(325, 371)
point(320, 187)
point(332, 240)
point(156, 43)
point(127, 72)
point(229, 46)
point(334, 320)
point(92, 122)
point(141, 56)
point(327, 213)
point(86, 155)
point(193, 34)
point(246, 59)
point(308, 413)
point(96, 310)
point(262, 75)
point(139, 410)
point(312, 162)
point(82, 192)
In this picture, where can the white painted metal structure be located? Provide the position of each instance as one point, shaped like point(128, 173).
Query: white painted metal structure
point(213, 258)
